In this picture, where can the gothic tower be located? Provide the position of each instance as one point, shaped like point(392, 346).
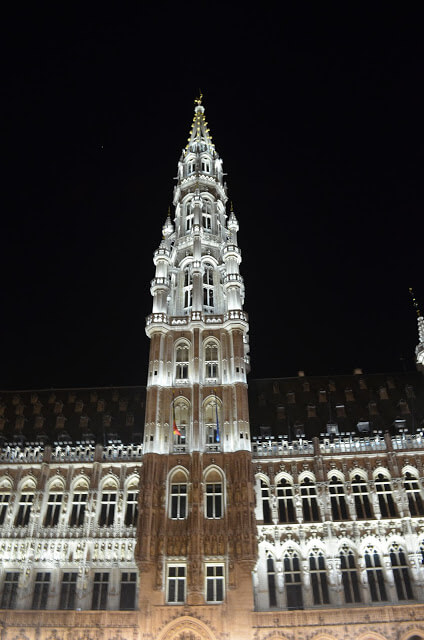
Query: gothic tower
point(197, 537)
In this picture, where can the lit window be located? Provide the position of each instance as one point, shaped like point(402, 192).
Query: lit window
point(68, 591)
point(205, 165)
point(10, 590)
point(54, 504)
point(208, 288)
point(211, 360)
point(100, 591)
point(212, 418)
point(206, 221)
point(128, 591)
point(41, 590)
point(176, 584)
point(214, 583)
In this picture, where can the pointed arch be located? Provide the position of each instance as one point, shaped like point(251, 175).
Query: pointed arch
point(212, 419)
point(215, 492)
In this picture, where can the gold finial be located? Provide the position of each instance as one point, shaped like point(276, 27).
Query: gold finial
point(198, 100)
point(231, 206)
point(415, 303)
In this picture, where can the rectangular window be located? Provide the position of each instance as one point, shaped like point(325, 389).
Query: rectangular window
point(100, 591)
point(178, 501)
point(68, 591)
point(79, 502)
point(24, 509)
point(214, 583)
point(131, 512)
point(4, 503)
point(41, 590)
point(128, 591)
point(54, 505)
point(10, 590)
point(214, 500)
point(176, 584)
point(107, 510)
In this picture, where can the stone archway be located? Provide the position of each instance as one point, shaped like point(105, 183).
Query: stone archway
point(186, 628)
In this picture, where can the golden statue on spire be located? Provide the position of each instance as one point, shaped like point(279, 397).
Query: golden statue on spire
point(198, 100)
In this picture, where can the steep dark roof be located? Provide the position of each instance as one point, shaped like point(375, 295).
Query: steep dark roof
point(278, 406)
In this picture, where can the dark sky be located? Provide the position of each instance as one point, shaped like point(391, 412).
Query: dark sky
point(317, 113)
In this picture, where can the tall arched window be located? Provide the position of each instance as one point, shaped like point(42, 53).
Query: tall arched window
point(180, 422)
point(350, 577)
point(181, 361)
point(318, 575)
point(413, 492)
point(211, 361)
point(384, 493)
point(401, 575)
point(293, 580)
point(178, 494)
point(361, 498)
point(214, 495)
point(286, 509)
point(266, 502)
point(212, 421)
point(375, 575)
point(187, 291)
point(338, 499)
point(208, 289)
point(308, 493)
point(272, 589)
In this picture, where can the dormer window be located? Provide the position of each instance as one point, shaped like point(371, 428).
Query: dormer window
point(206, 221)
point(191, 167)
point(205, 166)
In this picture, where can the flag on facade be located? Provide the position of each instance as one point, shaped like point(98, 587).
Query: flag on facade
point(175, 429)
point(217, 438)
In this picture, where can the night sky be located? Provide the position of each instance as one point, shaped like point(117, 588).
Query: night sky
point(317, 113)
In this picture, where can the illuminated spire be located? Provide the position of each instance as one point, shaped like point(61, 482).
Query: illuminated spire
point(200, 138)
point(419, 350)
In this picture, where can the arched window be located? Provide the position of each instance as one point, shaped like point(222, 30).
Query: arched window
point(79, 502)
point(108, 503)
point(131, 507)
point(286, 509)
point(401, 575)
point(212, 421)
point(180, 422)
point(384, 493)
point(25, 502)
point(318, 575)
point(272, 590)
point(5, 493)
point(308, 493)
point(413, 492)
point(293, 580)
point(178, 492)
point(181, 361)
point(54, 505)
point(375, 575)
point(266, 502)
point(350, 578)
point(214, 494)
point(191, 166)
point(211, 360)
point(205, 165)
point(338, 499)
point(208, 289)
point(187, 291)
point(361, 498)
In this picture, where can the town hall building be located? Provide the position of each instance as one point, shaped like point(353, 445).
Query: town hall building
point(204, 506)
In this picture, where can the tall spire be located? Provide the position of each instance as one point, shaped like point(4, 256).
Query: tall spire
point(199, 138)
point(419, 350)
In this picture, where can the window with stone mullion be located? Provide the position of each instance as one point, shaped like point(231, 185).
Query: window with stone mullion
point(413, 493)
point(350, 578)
point(319, 582)
point(4, 503)
point(385, 497)
point(338, 500)
point(286, 509)
point(375, 576)
point(401, 574)
point(361, 499)
point(293, 581)
point(310, 508)
point(54, 505)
